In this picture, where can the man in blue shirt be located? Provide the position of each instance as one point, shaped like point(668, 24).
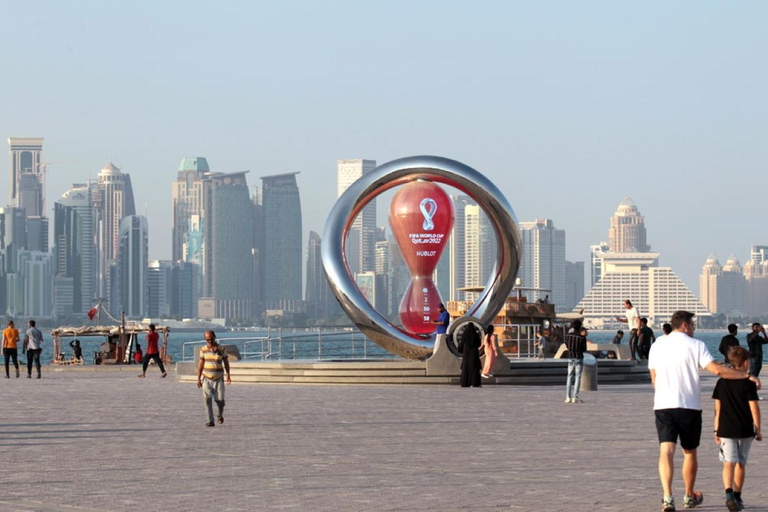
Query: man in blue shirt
point(442, 324)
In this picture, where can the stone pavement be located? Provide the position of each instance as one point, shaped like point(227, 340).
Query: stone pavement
point(87, 441)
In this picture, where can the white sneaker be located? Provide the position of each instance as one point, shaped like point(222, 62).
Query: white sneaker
point(577, 401)
point(567, 400)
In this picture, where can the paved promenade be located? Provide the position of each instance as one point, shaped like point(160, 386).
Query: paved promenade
point(108, 441)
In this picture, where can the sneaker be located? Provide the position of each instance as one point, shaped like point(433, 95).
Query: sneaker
point(668, 505)
point(693, 501)
point(577, 400)
point(485, 376)
point(730, 501)
point(567, 400)
point(740, 502)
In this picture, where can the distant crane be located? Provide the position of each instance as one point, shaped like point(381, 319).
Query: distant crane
point(42, 172)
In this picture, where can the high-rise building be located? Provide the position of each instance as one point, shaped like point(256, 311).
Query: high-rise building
point(756, 281)
point(27, 178)
point(360, 253)
point(112, 201)
point(159, 288)
point(282, 242)
point(30, 194)
point(319, 298)
point(30, 287)
point(596, 262)
point(187, 201)
point(657, 292)
point(13, 228)
point(184, 290)
point(758, 254)
point(708, 281)
point(574, 283)
point(74, 252)
point(542, 265)
point(37, 234)
point(627, 232)
point(228, 246)
point(132, 263)
point(456, 249)
point(722, 289)
point(257, 253)
point(383, 268)
point(479, 247)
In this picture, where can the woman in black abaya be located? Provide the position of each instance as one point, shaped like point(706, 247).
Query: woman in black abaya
point(470, 361)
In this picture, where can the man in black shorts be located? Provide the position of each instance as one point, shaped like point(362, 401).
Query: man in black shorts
point(674, 364)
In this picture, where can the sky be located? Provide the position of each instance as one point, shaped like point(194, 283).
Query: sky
point(567, 106)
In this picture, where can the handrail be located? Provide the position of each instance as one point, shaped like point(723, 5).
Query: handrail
point(298, 345)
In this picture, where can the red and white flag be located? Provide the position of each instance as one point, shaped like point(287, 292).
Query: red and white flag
point(92, 312)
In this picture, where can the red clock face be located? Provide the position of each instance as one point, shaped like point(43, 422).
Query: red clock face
point(421, 217)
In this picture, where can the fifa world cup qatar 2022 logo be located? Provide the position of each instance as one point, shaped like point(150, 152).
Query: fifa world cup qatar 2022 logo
point(421, 217)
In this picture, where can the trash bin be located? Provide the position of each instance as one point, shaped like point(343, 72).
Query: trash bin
point(589, 373)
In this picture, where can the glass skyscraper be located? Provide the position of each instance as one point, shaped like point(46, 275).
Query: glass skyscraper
point(282, 242)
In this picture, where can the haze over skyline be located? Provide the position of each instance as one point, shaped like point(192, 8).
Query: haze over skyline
point(567, 107)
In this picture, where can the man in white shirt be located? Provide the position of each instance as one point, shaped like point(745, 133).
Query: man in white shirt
point(674, 364)
point(632, 318)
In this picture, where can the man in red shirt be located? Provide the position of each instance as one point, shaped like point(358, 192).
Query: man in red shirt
point(153, 352)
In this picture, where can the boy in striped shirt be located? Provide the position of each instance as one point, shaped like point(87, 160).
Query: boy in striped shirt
point(210, 373)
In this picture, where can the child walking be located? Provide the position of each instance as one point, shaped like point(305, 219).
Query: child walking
point(737, 422)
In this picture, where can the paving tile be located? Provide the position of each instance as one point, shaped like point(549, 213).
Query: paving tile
point(107, 441)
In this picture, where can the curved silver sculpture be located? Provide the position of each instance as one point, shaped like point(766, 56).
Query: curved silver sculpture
point(395, 173)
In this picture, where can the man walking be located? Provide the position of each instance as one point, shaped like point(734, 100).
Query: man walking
point(33, 346)
point(10, 348)
point(210, 372)
point(729, 340)
point(576, 343)
point(674, 364)
point(755, 342)
point(153, 352)
point(632, 319)
point(646, 337)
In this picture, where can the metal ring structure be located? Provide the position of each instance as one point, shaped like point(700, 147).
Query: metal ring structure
point(399, 172)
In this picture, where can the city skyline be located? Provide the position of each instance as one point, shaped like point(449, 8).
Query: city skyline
point(658, 101)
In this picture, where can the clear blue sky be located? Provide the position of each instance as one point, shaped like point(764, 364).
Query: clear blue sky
point(567, 106)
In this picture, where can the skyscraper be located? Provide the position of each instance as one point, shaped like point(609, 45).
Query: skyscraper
point(596, 262)
point(722, 289)
point(27, 177)
point(183, 290)
point(228, 245)
point(479, 247)
point(627, 232)
point(756, 281)
point(159, 288)
point(542, 264)
point(361, 253)
point(132, 264)
point(574, 283)
point(318, 298)
point(112, 200)
point(187, 201)
point(74, 251)
point(282, 242)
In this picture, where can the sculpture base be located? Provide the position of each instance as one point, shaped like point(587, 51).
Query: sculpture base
point(443, 362)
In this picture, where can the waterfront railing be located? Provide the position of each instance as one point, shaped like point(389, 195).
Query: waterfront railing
point(280, 345)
